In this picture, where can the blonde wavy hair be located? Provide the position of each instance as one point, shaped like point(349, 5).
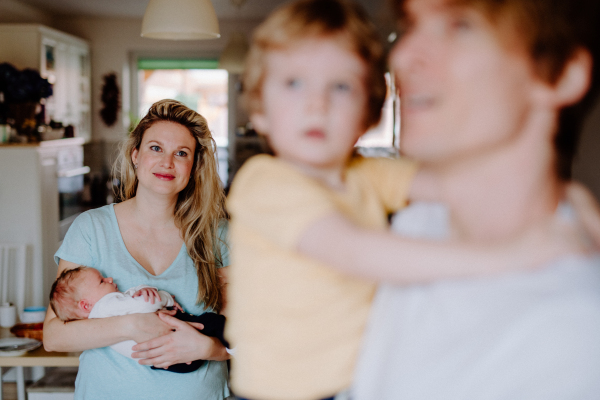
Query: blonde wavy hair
point(200, 206)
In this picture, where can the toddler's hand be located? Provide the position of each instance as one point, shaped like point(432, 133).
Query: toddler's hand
point(150, 294)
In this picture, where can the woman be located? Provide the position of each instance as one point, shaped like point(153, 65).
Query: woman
point(166, 233)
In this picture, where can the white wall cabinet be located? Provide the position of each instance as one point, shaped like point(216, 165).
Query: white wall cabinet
point(61, 58)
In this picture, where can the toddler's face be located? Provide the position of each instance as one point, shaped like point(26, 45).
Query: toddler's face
point(93, 286)
point(314, 98)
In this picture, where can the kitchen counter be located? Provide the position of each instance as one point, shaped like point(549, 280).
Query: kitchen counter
point(48, 143)
point(36, 358)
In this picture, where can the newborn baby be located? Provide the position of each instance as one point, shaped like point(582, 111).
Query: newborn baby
point(83, 292)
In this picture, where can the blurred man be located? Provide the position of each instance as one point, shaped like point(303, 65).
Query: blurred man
point(493, 95)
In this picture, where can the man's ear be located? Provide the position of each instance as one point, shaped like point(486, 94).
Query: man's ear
point(260, 122)
point(575, 80)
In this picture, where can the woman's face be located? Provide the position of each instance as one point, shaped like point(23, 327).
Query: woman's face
point(164, 159)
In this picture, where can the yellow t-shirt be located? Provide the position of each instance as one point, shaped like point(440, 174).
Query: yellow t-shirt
point(296, 324)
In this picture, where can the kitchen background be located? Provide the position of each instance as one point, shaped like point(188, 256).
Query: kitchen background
point(112, 59)
point(91, 51)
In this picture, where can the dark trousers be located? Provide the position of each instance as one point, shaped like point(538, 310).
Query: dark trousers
point(214, 325)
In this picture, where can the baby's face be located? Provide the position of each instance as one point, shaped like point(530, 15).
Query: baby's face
point(93, 286)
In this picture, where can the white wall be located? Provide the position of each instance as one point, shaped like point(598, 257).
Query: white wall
point(114, 41)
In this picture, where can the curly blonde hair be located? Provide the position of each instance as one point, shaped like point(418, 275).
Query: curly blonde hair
point(200, 205)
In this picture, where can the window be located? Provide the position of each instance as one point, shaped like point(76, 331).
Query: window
point(196, 83)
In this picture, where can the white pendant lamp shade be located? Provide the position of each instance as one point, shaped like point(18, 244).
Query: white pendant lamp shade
point(180, 20)
point(233, 57)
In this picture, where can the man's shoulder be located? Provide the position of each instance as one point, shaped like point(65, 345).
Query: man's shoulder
point(579, 274)
point(566, 289)
point(522, 327)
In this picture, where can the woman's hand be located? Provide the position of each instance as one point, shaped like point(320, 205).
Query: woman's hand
point(148, 326)
point(182, 345)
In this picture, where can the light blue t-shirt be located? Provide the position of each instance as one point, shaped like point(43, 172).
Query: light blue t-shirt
point(94, 240)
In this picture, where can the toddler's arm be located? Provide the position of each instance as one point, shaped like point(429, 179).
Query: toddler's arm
point(384, 256)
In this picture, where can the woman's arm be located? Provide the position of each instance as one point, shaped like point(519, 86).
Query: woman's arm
point(384, 256)
point(183, 345)
point(93, 333)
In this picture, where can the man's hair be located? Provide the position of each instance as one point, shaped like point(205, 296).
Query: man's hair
point(306, 19)
point(64, 295)
point(552, 30)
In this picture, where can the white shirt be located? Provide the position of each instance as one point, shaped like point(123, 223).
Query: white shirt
point(124, 303)
point(528, 335)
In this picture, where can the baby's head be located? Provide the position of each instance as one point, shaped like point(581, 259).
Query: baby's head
point(315, 67)
point(76, 290)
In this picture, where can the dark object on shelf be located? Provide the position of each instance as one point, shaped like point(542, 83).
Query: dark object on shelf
point(22, 92)
point(3, 110)
point(23, 86)
point(110, 99)
point(69, 131)
point(55, 124)
point(23, 115)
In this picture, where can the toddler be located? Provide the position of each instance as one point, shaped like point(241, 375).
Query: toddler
point(310, 221)
point(83, 292)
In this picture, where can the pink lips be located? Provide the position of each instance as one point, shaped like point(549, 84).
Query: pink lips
point(316, 134)
point(164, 177)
